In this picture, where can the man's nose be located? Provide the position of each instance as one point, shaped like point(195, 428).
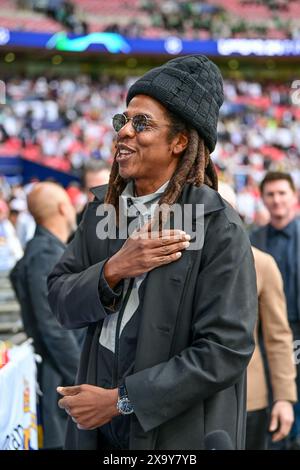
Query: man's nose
point(126, 131)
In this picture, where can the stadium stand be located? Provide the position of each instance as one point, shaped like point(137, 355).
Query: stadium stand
point(152, 18)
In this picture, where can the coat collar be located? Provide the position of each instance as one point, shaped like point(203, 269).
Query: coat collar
point(190, 195)
point(99, 192)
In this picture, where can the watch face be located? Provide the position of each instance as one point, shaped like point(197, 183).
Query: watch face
point(125, 407)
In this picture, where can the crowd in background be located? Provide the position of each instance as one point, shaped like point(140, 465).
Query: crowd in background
point(65, 122)
point(17, 225)
point(193, 19)
point(196, 19)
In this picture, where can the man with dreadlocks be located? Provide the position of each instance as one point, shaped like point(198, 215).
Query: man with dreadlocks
point(170, 329)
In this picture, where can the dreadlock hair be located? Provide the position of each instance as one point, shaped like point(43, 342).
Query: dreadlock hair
point(195, 167)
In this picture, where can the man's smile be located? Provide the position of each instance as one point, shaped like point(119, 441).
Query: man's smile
point(124, 153)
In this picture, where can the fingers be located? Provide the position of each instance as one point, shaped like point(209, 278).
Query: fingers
point(148, 231)
point(282, 418)
point(273, 423)
point(172, 248)
point(166, 237)
point(283, 431)
point(279, 435)
point(67, 404)
point(165, 250)
point(166, 254)
point(62, 403)
point(176, 234)
point(173, 235)
point(167, 259)
point(67, 391)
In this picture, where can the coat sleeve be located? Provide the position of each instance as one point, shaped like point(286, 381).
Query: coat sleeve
point(225, 312)
point(62, 346)
point(278, 338)
point(111, 298)
point(74, 286)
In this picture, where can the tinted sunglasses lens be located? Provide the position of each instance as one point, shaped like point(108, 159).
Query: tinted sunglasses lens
point(139, 122)
point(118, 121)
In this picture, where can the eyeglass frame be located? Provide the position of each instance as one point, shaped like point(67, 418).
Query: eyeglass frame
point(127, 119)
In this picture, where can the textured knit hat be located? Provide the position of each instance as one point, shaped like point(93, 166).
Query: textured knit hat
point(189, 86)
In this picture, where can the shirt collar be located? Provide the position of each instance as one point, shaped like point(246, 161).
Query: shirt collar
point(144, 206)
point(287, 231)
point(129, 192)
point(128, 199)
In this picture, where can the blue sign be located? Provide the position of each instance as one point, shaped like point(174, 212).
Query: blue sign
point(117, 44)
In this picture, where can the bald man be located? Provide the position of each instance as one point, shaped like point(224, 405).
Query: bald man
point(55, 217)
point(51, 208)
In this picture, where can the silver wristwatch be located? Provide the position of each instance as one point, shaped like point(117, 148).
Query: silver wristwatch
point(124, 405)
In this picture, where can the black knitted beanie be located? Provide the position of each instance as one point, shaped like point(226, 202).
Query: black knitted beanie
point(189, 86)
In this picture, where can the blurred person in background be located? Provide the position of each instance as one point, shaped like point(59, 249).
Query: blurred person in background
point(262, 216)
point(278, 344)
point(246, 204)
point(51, 208)
point(281, 239)
point(15, 207)
point(5, 188)
point(10, 246)
point(95, 173)
point(277, 339)
point(77, 196)
point(22, 220)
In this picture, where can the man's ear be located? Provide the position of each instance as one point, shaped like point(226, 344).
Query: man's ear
point(62, 208)
point(180, 143)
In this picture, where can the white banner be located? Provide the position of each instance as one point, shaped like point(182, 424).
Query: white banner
point(18, 414)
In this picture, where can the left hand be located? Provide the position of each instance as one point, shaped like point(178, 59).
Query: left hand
point(282, 418)
point(89, 406)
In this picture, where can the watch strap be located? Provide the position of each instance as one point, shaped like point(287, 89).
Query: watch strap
point(123, 391)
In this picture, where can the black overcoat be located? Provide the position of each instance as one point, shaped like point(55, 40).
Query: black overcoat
point(196, 332)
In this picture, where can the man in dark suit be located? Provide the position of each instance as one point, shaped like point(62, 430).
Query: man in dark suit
point(60, 349)
point(281, 239)
point(170, 330)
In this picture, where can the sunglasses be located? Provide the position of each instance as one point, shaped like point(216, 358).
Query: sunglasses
point(139, 122)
